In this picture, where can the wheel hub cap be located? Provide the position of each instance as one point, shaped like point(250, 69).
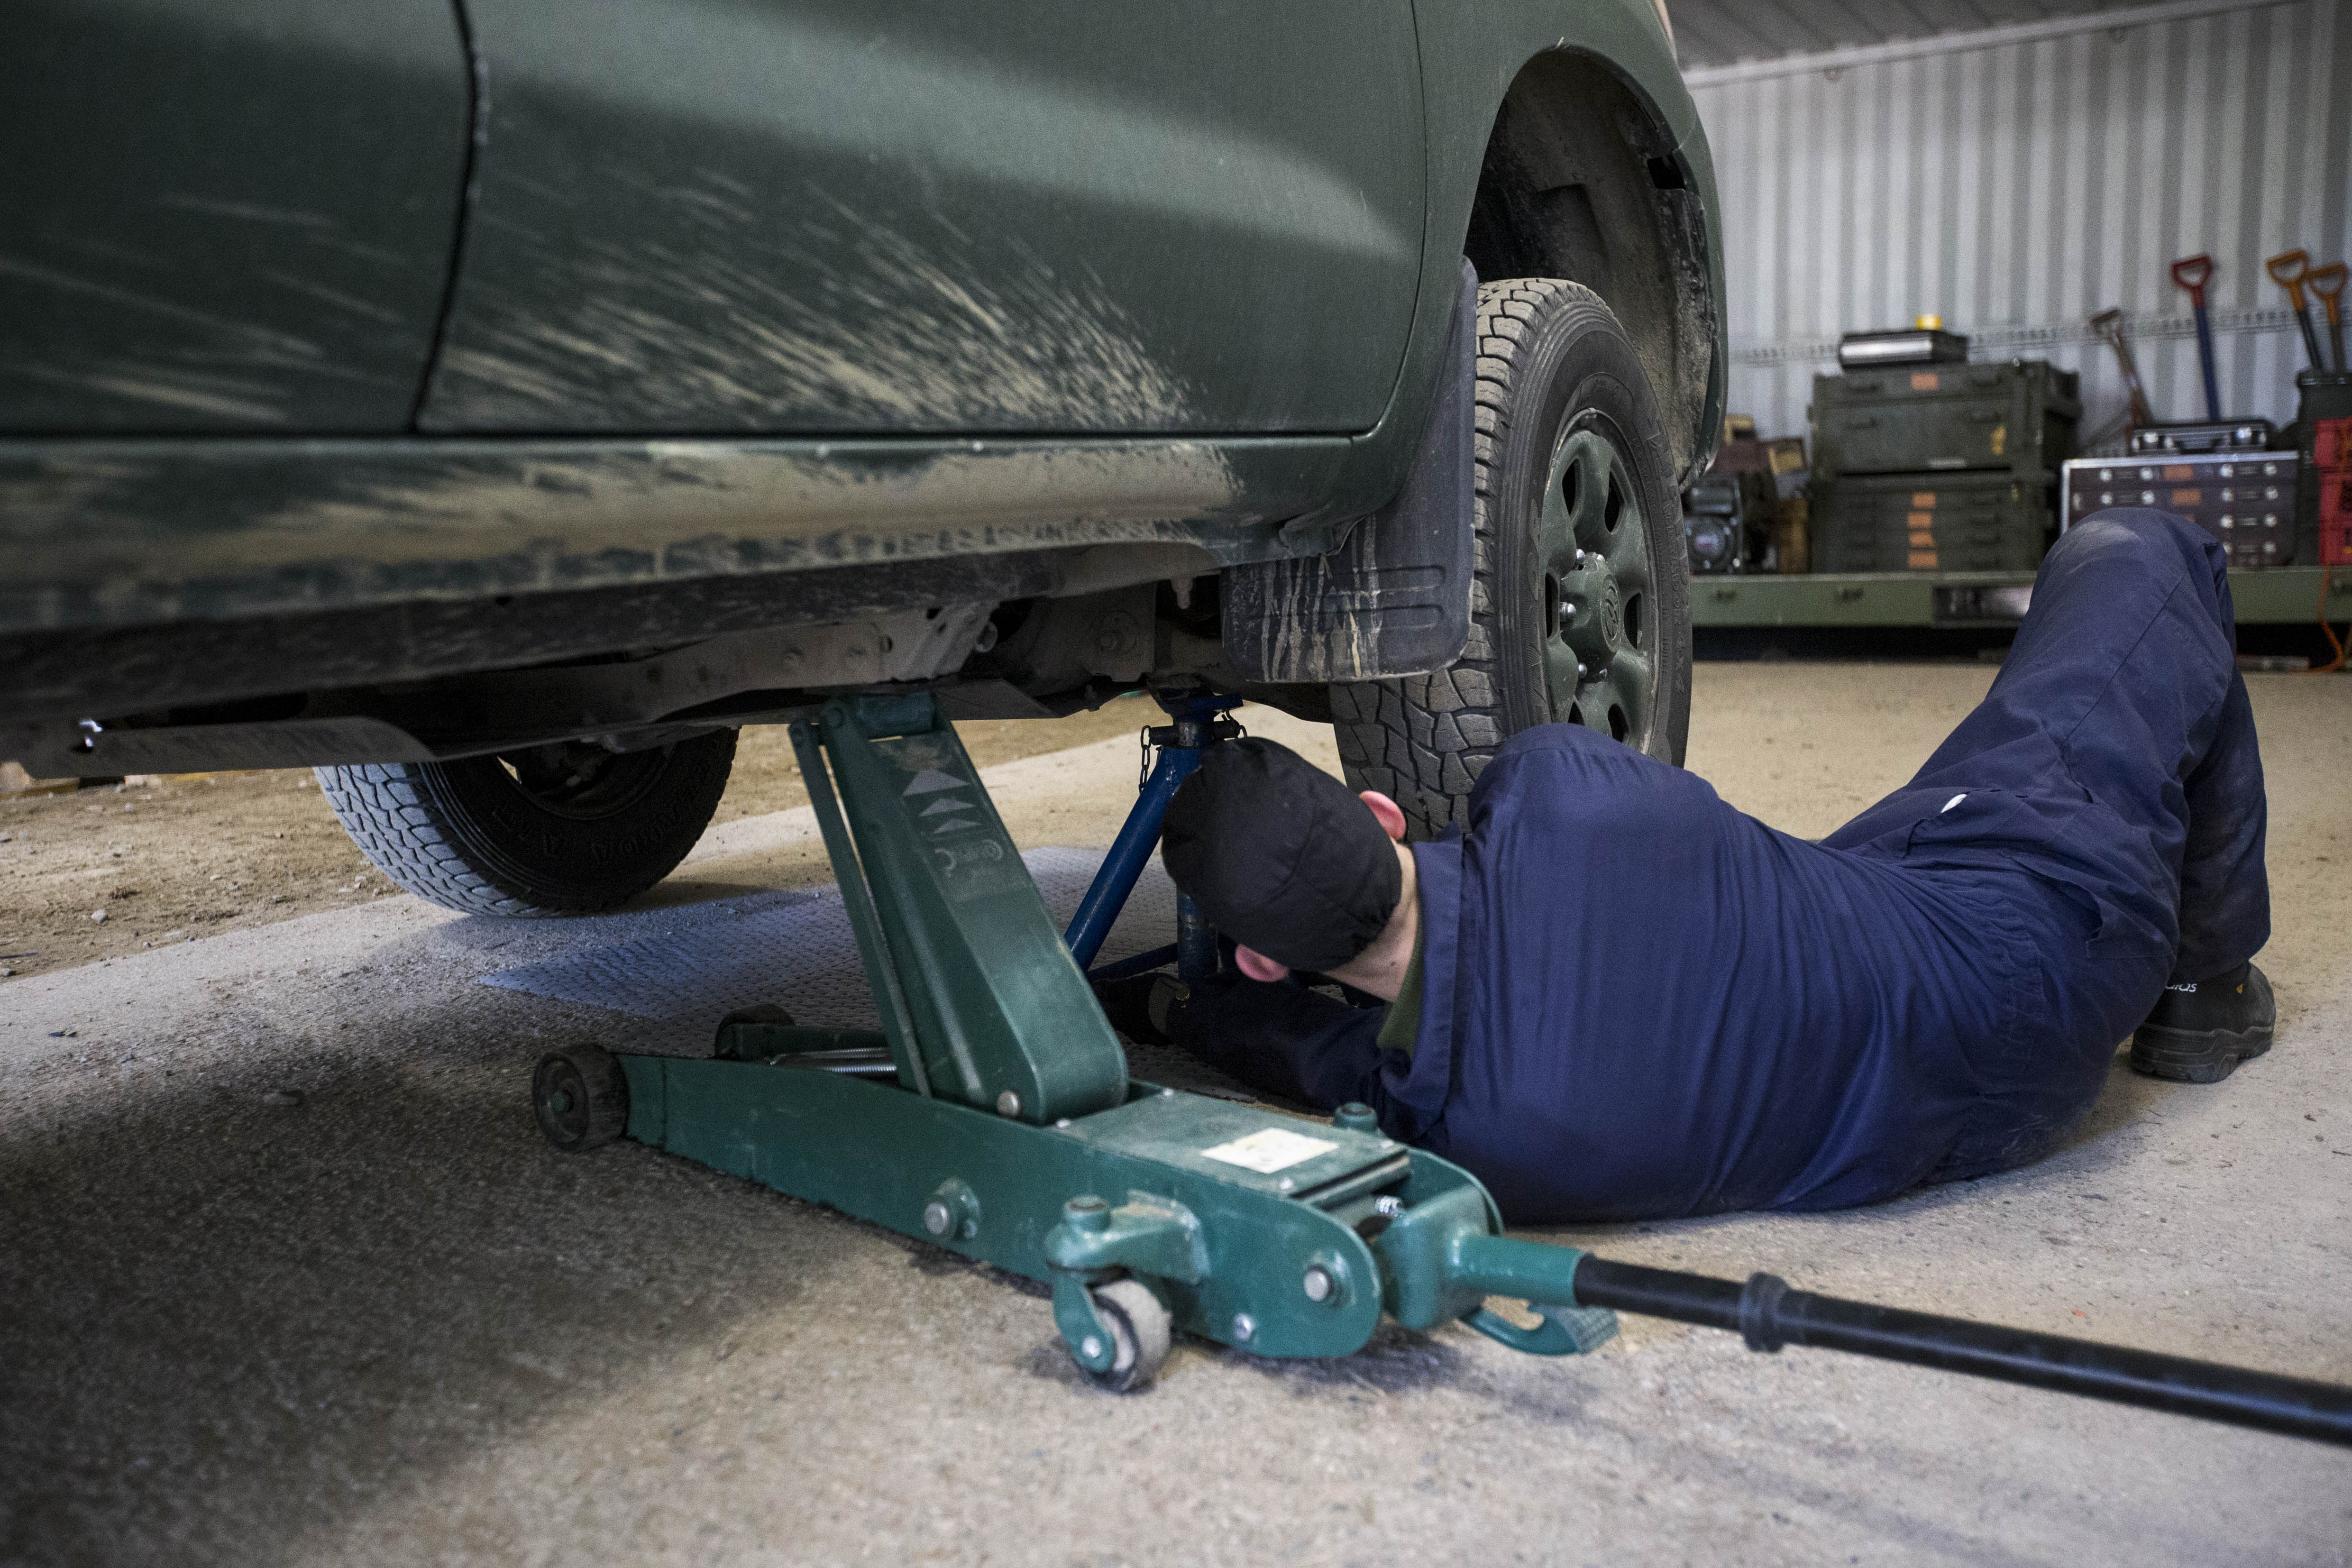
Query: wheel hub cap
point(1593, 554)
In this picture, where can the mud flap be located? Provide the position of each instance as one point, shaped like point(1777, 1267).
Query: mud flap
point(1394, 598)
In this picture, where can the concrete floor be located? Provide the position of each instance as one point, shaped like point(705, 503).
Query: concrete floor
point(387, 1324)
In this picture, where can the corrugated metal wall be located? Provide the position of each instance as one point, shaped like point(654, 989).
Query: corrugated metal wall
point(2014, 190)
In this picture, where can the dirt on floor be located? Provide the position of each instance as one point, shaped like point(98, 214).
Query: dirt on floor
point(95, 873)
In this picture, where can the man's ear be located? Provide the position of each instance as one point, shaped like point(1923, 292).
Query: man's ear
point(1390, 815)
point(1257, 965)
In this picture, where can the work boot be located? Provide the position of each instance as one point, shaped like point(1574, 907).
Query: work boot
point(2202, 1030)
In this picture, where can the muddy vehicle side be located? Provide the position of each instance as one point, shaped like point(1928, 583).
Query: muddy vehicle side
point(528, 384)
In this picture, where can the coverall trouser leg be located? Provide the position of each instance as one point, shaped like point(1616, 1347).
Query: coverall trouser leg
point(2123, 686)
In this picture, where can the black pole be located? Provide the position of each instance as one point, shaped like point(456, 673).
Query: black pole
point(1768, 1314)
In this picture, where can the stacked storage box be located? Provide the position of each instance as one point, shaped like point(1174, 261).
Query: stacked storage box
point(2324, 499)
point(1938, 468)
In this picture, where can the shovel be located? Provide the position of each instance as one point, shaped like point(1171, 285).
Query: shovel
point(2109, 324)
point(2287, 269)
point(2191, 273)
point(2327, 282)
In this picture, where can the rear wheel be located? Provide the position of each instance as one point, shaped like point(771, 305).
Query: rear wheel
point(1581, 606)
point(564, 829)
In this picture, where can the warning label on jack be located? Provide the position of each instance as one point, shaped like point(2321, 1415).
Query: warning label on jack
point(1269, 1150)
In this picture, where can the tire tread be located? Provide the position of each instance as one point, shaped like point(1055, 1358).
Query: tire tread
point(398, 816)
point(390, 816)
point(1389, 733)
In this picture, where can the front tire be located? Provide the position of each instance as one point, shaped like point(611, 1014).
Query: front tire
point(1580, 603)
point(566, 829)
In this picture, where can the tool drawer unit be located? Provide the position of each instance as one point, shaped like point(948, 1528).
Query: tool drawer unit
point(2245, 499)
point(1928, 418)
point(1932, 523)
point(1940, 467)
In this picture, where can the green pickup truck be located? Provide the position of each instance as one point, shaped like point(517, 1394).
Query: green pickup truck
point(497, 404)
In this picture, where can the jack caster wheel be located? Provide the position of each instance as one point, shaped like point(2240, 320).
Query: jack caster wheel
point(580, 1097)
point(1139, 1329)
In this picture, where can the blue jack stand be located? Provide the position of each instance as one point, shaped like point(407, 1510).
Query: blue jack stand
point(1200, 721)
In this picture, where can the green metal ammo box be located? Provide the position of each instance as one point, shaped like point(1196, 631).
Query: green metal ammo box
point(1931, 418)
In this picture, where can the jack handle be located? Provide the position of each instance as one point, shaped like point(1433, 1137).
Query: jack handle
point(1545, 1278)
point(1767, 1315)
point(1440, 1257)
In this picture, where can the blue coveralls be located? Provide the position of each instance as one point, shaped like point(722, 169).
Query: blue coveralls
point(1639, 1001)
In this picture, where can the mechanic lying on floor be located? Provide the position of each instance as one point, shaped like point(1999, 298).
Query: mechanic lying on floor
point(1616, 997)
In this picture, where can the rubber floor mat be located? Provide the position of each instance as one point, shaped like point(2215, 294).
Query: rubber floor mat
point(795, 949)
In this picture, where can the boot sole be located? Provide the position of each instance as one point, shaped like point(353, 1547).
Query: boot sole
point(2206, 1056)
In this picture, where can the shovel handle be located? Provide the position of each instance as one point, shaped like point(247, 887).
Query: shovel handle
point(2327, 282)
point(2109, 326)
point(2287, 269)
point(2190, 272)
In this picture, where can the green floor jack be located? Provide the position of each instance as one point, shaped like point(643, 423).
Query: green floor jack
point(992, 1115)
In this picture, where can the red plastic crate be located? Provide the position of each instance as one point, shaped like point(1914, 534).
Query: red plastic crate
point(2332, 443)
point(2335, 512)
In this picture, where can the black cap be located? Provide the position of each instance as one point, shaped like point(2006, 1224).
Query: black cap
point(1280, 856)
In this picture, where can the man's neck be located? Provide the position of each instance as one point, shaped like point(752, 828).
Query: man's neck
point(1381, 968)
